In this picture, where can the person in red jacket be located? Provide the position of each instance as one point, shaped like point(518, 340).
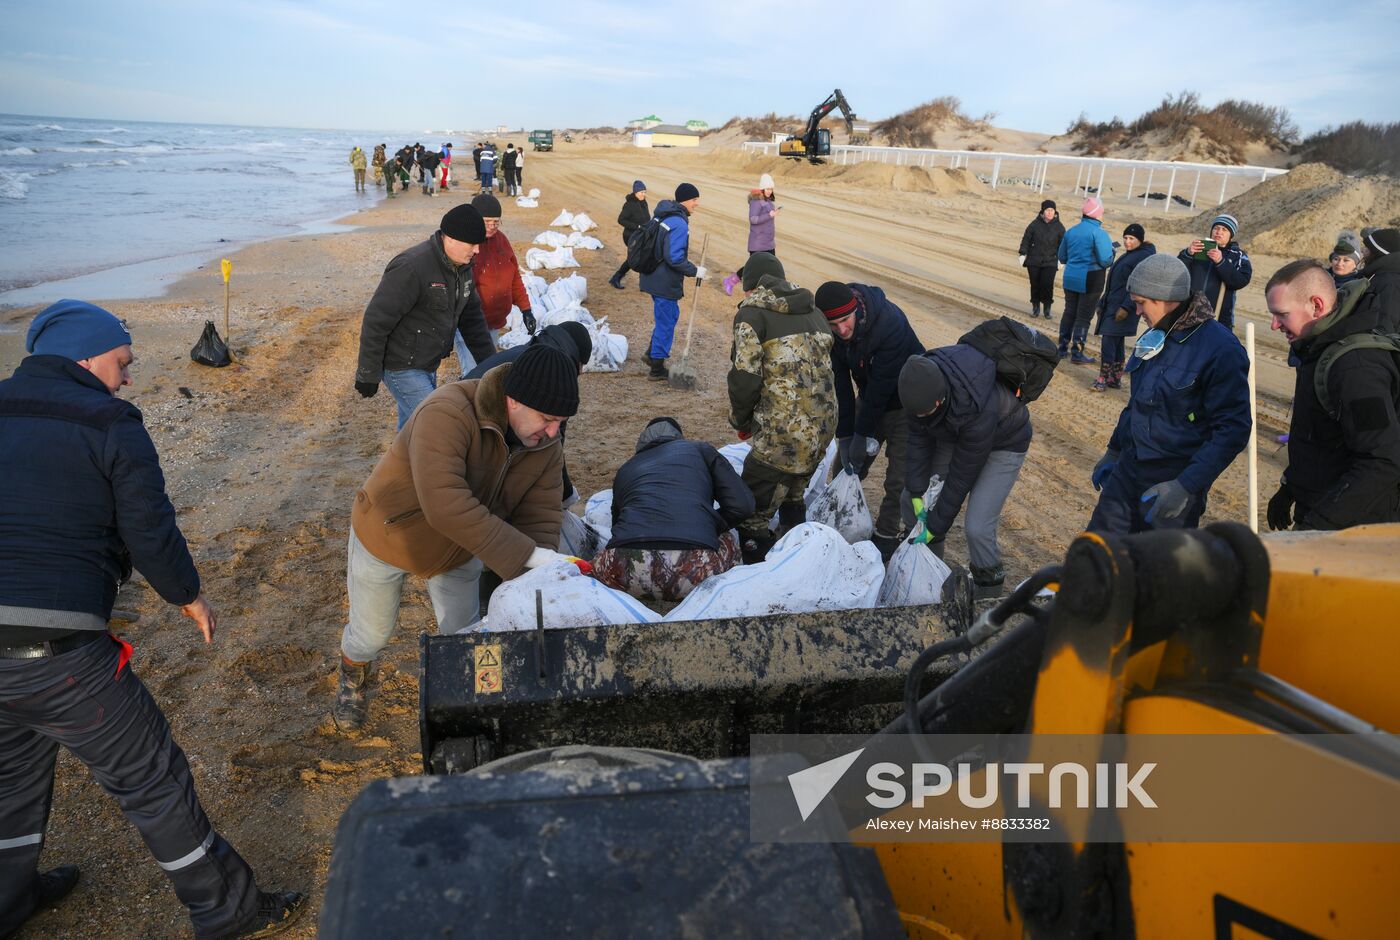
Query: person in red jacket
point(497, 280)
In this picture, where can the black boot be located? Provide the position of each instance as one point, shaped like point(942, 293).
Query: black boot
point(351, 706)
point(658, 371)
point(754, 548)
point(52, 886)
point(887, 545)
point(988, 583)
point(791, 515)
point(277, 910)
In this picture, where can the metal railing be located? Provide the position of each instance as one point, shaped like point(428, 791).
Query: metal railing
point(1039, 164)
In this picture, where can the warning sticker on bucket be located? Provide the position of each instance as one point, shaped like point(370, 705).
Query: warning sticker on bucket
point(486, 667)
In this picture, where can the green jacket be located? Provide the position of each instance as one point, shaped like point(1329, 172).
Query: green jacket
point(781, 387)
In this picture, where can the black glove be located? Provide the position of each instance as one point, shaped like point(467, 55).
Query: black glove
point(530, 324)
point(1280, 513)
point(854, 461)
point(367, 389)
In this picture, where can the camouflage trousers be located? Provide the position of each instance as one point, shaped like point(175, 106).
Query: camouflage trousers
point(772, 489)
point(663, 574)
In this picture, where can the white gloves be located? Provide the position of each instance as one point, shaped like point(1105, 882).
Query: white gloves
point(1022, 260)
point(544, 556)
point(700, 273)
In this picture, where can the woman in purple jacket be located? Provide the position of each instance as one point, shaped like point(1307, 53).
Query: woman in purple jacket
point(763, 214)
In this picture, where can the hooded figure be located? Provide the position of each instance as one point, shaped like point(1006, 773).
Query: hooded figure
point(667, 535)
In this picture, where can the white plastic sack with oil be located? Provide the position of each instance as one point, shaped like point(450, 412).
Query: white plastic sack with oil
point(842, 506)
point(915, 575)
point(569, 599)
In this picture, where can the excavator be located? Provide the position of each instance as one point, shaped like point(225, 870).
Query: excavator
point(600, 781)
point(815, 141)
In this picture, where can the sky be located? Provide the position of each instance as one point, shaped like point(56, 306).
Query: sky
point(581, 63)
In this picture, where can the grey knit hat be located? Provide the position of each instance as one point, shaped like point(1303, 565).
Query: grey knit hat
point(922, 385)
point(1160, 277)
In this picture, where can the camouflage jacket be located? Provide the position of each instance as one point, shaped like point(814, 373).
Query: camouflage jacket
point(781, 388)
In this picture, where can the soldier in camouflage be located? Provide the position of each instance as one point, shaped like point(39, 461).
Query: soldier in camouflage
point(782, 397)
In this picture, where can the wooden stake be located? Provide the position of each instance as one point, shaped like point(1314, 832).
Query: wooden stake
point(1253, 433)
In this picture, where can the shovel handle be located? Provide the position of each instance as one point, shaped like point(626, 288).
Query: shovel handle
point(695, 299)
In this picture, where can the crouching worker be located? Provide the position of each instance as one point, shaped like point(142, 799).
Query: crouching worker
point(85, 503)
point(667, 536)
point(782, 397)
point(473, 479)
point(973, 432)
point(1187, 415)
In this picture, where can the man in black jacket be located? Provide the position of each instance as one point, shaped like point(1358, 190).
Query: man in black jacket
point(667, 536)
point(84, 504)
point(972, 432)
point(425, 294)
point(633, 216)
point(1344, 439)
point(1381, 247)
point(873, 342)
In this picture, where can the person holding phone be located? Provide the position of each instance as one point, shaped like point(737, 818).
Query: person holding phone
point(1223, 264)
point(763, 215)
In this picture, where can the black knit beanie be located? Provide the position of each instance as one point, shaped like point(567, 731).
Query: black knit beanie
point(835, 299)
point(571, 338)
point(686, 191)
point(922, 385)
point(1049, 204)
point(759, 264)
point(1381, 241)
point(488, 205)
point(464, 224)
point(1136, 231)
point(545, 379)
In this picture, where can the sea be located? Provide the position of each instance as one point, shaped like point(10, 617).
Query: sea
point(114, 208)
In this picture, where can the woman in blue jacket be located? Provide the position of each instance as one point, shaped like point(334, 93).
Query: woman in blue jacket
point(1086, 252)
point(1187, 416)
point(1117, 315)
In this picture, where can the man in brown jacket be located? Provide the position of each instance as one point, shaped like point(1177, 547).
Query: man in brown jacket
point(473, 479)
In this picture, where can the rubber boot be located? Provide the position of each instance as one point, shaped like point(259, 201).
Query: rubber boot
point(754, 548)
point(988, 583)
point(1035, 311)
point(1101, 383)
point(1077, 354)
point(791, 515)
point(352, 696)
point(887, 545)
point(658, 371)
point(1045, 311)
point(1115, 375)
point(277, 910)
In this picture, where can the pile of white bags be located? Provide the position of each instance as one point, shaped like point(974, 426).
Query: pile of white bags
point(536, 258)
point(582, 223)
point(552, 238)
point(586, 242)
point(811, 568)
point(609, 349)
point(565, 292)
point(841, 505)
point(565, 217)
point(570, 599)
point(528, 202)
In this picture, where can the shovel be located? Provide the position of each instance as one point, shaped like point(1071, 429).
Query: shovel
point(682, 375)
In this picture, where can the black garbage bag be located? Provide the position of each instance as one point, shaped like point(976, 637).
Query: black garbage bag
point(211, 350)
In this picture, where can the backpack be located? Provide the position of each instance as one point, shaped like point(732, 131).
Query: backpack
point(1372, 340)
point(1025, 357)
point(645, 246)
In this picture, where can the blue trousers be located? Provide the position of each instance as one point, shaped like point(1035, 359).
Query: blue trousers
point(409, 387)
point(1121, 510)
point(665, 312)
point(108, 720)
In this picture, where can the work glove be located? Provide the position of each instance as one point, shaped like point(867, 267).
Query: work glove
point(530, 324)
point(700, 273)
point(1021, 260)
point(908, 514)
point(860, 454)
point(1103, 469)
point(1280, 513)
point(843, 449)
point(545, 556)
point(367, 389)
point(1169, 502)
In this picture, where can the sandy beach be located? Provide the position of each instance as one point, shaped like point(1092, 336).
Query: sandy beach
point(263, 459)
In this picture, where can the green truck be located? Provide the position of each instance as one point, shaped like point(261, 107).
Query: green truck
point(542, 140)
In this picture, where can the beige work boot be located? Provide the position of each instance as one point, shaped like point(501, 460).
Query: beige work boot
point(351, 706)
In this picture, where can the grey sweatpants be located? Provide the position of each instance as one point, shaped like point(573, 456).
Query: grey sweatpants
point(982, 514)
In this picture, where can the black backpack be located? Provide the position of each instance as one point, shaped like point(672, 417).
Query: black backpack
point(1025, 357)
point(1372, 340)
point(645, 247)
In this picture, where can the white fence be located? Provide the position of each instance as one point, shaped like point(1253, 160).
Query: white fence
point(1038, 167)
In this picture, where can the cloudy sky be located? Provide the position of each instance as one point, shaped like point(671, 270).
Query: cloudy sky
point(356, 64)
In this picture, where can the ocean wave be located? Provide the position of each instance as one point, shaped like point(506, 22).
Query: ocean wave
point(14, 185)
point(82, 165)
point(144, 148)
point(17, 152)
point(45, 127)
point(99, 141)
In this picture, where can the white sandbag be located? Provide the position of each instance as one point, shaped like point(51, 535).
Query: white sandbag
point(810, 568)
point(556, 315)
point(565, 217)
point(581, 223)
point(552, 239)
point(580, 539)
point(736, 454)
point(586, 242)
point(597, 512)
point(526, 202)
point(566, 290)
point(915, 575)
point(842, 506)
point(536, 287)
point(609, 351)
point(534, 194)
point(819, 476)
point(536, 258)
point(569, 598)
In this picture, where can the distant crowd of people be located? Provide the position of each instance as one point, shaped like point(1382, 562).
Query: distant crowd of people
point(432, 169)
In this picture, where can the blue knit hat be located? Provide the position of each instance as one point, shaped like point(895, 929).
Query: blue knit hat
point(1229, 221)
point(75, 329)
point(638, 186)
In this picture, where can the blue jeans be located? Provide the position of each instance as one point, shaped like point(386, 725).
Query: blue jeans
point(409, 387)
point(375, 589)
point(665, 312)
point(464, 355)
point(1121, 510)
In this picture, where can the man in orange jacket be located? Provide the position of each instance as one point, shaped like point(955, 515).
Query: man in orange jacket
point(497, 279)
